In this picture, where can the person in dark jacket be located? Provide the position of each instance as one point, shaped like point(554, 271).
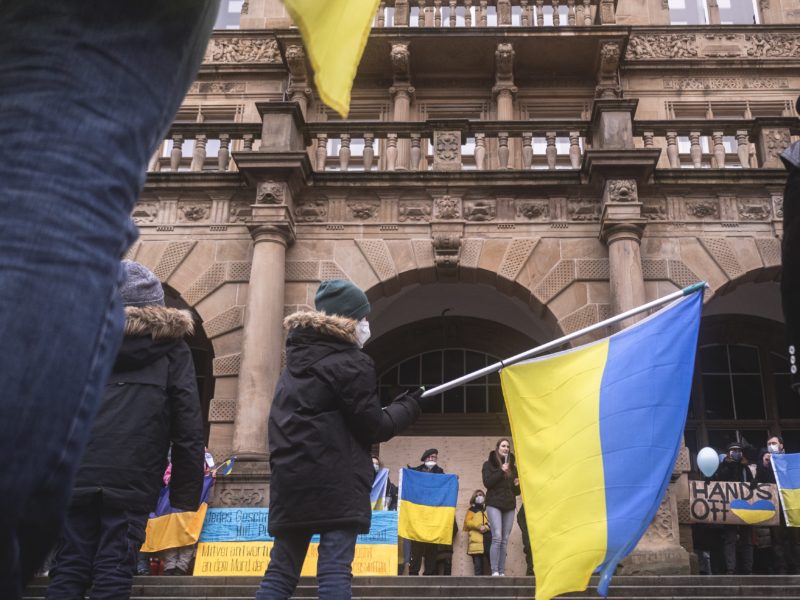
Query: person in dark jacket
point(790, 257)
point(502, 488)
point(422, 550)
point(737, 541)
point(526, 540)
point(390, 498)
point(326, 413)
point(784, 549)
point(149, 401)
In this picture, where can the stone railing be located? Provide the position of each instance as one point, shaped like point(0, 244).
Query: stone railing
point(494, 13)
point(198, 147)
point(717, 143)
point(446, 145)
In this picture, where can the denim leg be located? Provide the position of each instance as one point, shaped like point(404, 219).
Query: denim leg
point(495, 518)
point(507, 524)
point(71, 573)
point(335, 564)
point(87, 89)
point(285, 563)
point(122, 533)
point(477, 564)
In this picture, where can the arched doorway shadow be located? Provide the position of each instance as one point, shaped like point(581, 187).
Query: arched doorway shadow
point(202, 354)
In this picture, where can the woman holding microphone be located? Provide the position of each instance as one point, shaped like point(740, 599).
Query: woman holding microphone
point(502, 488)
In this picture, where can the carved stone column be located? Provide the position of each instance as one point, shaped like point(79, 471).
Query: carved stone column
point(504, 91)
point(402, 93)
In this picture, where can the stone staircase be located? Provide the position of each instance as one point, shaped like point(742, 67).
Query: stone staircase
point(466, 588)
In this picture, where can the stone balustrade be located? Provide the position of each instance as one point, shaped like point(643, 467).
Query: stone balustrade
point(198, 147)
point(716, 143)
point(494, 13)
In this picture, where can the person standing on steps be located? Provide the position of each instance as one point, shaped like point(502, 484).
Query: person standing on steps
point(502, 488)
point(476, 526)
point(424, 550)
point(326, 414)
point(737, 541)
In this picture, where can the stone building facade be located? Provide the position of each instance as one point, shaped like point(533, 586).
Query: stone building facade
point(511, 171)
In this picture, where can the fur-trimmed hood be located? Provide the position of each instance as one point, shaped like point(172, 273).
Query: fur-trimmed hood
point(341, 328)
point(158, 322)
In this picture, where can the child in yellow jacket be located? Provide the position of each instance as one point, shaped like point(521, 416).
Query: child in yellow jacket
point(476, 525)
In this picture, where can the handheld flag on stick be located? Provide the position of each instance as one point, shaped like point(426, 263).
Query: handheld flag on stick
point(427, 507)
point(597, 431)
point(378, 492)
point(170, 527)
point(787, 476)
point(334, 33)
point(226, 467)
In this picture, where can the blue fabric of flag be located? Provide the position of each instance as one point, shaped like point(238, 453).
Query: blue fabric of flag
point(429, 489)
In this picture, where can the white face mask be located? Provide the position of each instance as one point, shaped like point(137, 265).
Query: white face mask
point(478, 499)
point(362, 332)
point(774, 448)
point(376, 467)
point(430, 463)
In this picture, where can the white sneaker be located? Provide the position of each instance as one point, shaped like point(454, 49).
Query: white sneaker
point(495, 574)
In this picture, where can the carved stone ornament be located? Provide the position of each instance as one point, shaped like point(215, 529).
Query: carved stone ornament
point(480, 210)
point(654, 210)
point(242, 50)
point(753, 210)
point(768, 45)
point(145, 213)
point(446, 250)
point(583, 210)
point(239, 212)
point(504, 63)
point(363, 211)
point(702, 209)
point(296, 61)
point(777, 206)
point(656, 46)
point(663, 528)
point(270, 192)
point(726, 83)
point(195, 211)
point(401, 60)
point(534, 210)
point(414, 211)
point(241, 496)
point(777, 140)
point(217, 87)
point(621, 190)
point(447, 150)
point(313, 211)
point(447, 208)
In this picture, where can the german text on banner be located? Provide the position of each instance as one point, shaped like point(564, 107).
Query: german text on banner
point(172, 528)
point(787, 476)
point(334, 33)
point(378, 492)
point(427, 506)
point(597, 431)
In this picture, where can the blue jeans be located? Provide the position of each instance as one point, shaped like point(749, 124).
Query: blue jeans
point(88, 88)
point(500, 522)
point(98, 549)
point(334, 565)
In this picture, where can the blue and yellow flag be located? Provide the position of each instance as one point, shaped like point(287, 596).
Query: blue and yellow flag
point(787, 476)
point(378, 491)
point(427, 506)
point(170, 527)
point(597, 431)
point(334, 33)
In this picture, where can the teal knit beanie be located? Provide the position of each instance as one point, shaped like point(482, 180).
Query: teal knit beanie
point(341, 297)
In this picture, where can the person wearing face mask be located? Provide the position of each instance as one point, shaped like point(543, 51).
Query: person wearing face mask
point(423, 550)
point(390, 499)
point(476, 526)
point(737, 541)
point(326, 414)
point(502, 488)
point(784, 549)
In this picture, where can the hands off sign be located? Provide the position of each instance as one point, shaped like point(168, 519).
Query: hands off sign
point(733, 503)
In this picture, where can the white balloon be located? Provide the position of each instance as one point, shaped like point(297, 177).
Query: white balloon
point(708, 461)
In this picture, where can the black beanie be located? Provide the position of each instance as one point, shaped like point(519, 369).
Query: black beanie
point(341, 297)
point(428, 452)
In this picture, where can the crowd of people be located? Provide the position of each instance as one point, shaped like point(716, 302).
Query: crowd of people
point(747, 549)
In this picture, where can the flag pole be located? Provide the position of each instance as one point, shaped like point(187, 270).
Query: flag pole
point(696, 287)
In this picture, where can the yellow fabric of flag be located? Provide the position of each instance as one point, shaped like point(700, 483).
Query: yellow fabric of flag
point(335, 33)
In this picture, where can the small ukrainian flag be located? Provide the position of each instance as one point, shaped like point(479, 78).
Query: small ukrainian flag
point(787, 476)
point(427, 507)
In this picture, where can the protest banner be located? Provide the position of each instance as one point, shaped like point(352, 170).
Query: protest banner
point(733, 503)
point(235, 541)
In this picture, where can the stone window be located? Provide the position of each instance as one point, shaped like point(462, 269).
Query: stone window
point(228, 15)
point(703, 12)
point(439, 366)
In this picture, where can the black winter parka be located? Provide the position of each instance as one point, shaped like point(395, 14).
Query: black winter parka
point(325, 415)
point(500, 489)
point(149, 401)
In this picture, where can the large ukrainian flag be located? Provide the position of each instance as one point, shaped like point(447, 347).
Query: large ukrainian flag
point(597, 431)
point(427, 506)
point(787, 476)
